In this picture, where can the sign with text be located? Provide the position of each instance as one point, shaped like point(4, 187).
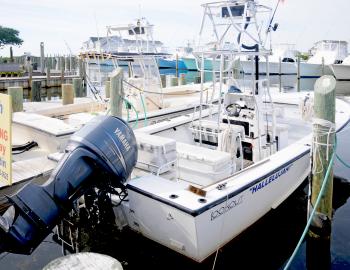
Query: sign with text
point(5, 139)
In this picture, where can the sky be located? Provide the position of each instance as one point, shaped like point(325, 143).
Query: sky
point(64, 24)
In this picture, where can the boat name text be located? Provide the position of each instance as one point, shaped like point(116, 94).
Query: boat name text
point(270, 179)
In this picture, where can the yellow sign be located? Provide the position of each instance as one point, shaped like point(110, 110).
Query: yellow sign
point(5, 139)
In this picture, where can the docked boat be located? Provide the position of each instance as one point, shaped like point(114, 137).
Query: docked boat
point(145, 97)
point(342, 71)
point(218, 169)
point(135, 37)
point(282, 62)
point(324, 54)
point(34, 138)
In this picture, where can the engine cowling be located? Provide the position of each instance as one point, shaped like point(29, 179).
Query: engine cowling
point(103, 150)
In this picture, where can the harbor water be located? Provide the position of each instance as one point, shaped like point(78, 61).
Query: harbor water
point(267, 244)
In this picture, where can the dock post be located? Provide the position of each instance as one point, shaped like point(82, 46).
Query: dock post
point(67, 94)
point(323, 72)
point(81, 70)
point(11, 55)
point(174, 81)
point(280, 66)
point(42, 58)
point(70, 63)
point(66, 62)
point(48, 77)
point(36, 91)
point(78, 87)
point(53, 62)
point(182, 80)
point(116, 92)
point(163, 80)
point(62, 69)
point(298, 73)
point(16, 94)
point(30, 74)
point(323, 143)
point(177, 65)
point(108, 89)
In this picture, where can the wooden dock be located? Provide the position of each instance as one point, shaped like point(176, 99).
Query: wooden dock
point(25, 82)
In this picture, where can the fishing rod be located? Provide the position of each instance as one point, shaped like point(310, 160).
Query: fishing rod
point(273, 16)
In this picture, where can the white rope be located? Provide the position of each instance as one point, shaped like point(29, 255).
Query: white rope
point(321, 127)
point(228, 143)
point(221, 232)
point(306, 108)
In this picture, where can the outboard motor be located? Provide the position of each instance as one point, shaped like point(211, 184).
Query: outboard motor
point(103, 150)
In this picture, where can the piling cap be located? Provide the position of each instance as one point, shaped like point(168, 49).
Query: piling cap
point(84, 261)
point(325, 84)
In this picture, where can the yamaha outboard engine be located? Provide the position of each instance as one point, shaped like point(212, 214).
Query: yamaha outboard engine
point(103, 150)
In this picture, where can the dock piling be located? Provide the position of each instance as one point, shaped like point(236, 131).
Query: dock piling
point(48, 76)
point(108, 89)
point(182, 80)
point(67, 94)
point(116, 92)
point(36, 91)
point(280, 66)
point(323, 144)
point(16, 94)
point(78, 87)
point(163, 80)
point(174, 81)
point(42, 58)
point(298, 72)
point(323, 67)
point(177, 65)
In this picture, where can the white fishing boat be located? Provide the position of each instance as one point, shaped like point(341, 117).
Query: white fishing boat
point(324, 54)
point(203, 178)
point(194, 182)
point(134, 37)
point(342, 71)
point(282, 62)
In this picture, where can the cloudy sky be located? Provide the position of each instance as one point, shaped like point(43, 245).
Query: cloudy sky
point(63, 25)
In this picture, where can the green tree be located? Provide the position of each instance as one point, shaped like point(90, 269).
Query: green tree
point(9, 36)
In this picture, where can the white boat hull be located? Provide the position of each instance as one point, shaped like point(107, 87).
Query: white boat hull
point(307, 70)
point(341, 72)
point(199, 233)
point(286, 68)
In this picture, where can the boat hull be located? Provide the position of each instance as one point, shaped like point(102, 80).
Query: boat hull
point(307, 70)
point(170, 63)
point(198, 234)
point(341, 72)
point(248, 67)
point(191, 64)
